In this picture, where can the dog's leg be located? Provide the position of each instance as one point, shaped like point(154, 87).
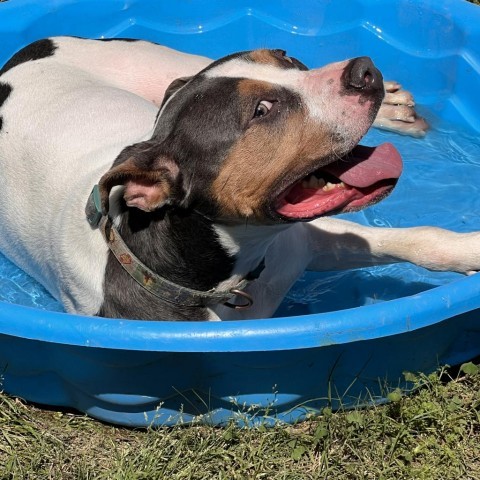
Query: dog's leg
point(338, 245)
point(140, 67)
point(328, 244)
point(397, 112)
point(285, 260)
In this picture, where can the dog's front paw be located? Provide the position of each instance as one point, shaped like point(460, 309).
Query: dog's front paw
point(397, 112)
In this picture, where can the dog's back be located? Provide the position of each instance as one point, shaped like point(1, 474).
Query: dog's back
point(49, 164)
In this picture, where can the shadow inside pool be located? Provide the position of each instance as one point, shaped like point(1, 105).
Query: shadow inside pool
point(345, 290)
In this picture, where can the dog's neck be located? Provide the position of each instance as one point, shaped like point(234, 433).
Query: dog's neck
point(247, 244)
point(188, 249)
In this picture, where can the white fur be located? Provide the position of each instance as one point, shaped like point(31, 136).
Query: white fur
point(45, 185)
point(79, 108)
point(249, 244)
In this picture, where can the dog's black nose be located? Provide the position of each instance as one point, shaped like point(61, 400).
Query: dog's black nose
point(361, 74)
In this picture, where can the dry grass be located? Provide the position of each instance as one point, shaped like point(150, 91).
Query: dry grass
point(431, 435)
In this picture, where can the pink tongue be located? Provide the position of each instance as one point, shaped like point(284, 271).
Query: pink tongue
point(365, 166)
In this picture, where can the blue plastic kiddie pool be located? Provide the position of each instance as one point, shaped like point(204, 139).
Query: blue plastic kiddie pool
point(339, 339)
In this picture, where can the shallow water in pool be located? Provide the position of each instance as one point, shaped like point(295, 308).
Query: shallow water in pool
point(439, 186)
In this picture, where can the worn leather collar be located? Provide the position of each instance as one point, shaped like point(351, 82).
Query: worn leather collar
point(151, 281)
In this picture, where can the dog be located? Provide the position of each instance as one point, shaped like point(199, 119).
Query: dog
point(144, 183)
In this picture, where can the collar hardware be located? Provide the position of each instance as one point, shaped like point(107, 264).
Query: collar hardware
point(240, 293)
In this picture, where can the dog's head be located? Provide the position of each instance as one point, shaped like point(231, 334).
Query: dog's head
point(257, 135)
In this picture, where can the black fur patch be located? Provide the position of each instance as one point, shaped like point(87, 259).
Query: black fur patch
point(35, 51)
point(5, 90)
point(182, 247)
point(118, 39)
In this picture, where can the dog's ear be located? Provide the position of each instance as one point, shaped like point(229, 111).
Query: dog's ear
point(176, 85)
point(151, 180)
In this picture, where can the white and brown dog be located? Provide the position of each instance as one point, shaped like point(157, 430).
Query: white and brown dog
point(234, 177)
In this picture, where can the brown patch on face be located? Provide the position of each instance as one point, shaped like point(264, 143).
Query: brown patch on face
point(265, 160)
point(264, 56)
point(254, 88)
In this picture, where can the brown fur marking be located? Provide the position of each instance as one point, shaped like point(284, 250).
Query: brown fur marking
point(264, 157)
point(249, 88)
point(264, 56)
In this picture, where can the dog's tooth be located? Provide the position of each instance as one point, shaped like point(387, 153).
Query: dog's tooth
point(330, 186)
point(314, 182)
point(306, 181)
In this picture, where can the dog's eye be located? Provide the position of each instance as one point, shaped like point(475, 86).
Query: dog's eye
point(262, 109)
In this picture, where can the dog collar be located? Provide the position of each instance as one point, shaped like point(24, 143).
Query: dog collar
point(151, 281)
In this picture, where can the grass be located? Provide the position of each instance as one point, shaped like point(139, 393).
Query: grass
point(431, 435)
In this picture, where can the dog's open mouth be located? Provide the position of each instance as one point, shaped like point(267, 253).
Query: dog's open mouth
point(361, 178)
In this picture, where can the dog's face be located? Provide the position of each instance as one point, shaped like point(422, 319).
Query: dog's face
point(258, 136)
